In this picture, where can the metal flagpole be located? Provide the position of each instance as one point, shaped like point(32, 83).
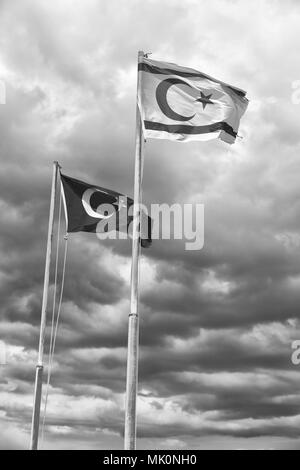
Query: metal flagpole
point(133, 321)
point(39, 367)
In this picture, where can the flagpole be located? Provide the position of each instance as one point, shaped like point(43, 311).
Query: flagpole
point(133, 320)
point(39, 367)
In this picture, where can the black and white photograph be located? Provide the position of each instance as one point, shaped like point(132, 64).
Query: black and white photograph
point(150, 227)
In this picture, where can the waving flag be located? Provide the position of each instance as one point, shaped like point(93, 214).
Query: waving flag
point(90, 208)
point(180, 103)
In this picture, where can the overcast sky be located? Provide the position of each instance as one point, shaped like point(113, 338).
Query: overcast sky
point(217, 324)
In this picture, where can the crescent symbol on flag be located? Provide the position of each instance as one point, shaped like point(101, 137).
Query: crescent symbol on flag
point(86, 202)
point(161, 98)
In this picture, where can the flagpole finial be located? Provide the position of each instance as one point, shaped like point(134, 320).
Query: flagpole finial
point(57, 164)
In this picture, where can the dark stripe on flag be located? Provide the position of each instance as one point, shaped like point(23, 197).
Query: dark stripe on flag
point(183, 129)
point(143, 67)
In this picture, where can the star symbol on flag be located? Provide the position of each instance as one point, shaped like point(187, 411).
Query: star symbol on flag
point(205, 99)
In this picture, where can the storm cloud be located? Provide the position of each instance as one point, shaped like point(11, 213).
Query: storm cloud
point(217, 324)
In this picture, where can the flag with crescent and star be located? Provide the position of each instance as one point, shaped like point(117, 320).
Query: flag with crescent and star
point(180, 103)
point(91, 208)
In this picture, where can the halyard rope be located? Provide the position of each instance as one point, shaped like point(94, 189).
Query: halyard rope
point(54, 329)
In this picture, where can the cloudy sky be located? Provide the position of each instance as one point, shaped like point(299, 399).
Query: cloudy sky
point(216, 324)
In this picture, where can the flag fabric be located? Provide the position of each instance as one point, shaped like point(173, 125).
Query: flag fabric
point(179, 103)
point(91, 208)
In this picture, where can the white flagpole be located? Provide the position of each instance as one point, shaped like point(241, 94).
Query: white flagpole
point(39, 367)
point(133, 321)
